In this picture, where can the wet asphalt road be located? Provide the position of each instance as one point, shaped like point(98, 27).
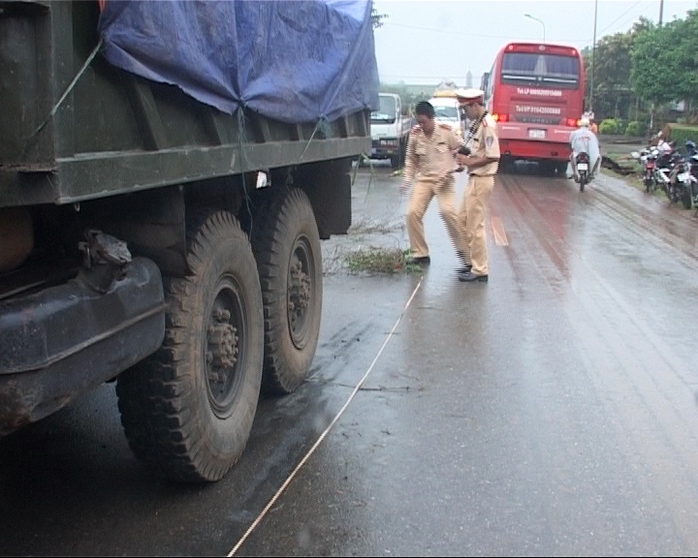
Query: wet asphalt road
point(552, 411)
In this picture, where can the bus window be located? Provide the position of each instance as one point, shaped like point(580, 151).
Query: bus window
point(529, 68)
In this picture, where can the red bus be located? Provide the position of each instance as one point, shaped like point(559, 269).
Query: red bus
point(535, 92)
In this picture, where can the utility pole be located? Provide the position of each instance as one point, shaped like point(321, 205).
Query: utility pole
point(652, 107)
point(661, 11)
point(593, 59)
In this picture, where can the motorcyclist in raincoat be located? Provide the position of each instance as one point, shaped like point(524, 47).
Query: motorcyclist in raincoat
point(583, 139)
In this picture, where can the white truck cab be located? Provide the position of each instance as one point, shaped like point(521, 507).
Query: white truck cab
point(447, 111)
point(390, 128)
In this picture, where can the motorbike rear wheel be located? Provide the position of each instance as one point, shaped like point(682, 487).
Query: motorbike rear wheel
point(686, 197)
point(649, 184)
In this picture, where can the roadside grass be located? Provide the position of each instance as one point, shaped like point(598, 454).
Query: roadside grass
point(377, 260)
point(370, 247)
point(372, 226)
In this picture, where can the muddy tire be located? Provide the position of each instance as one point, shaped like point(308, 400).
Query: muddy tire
point(188, 410)
point(686, 197)
point(286, 245)
point(398, 160)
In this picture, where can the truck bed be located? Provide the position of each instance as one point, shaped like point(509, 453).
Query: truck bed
point(76, 127)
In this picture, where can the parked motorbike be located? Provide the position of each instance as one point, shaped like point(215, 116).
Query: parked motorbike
point(684, 181)
point(666, 171)
point(677, 175)
point(648, 160)
point(656, 164)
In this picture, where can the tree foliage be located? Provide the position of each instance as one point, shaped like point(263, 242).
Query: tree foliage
point(609, 72)
point(376, 18)
point(646, 67)
point(653, 62)
point(664, 62)
point(408, 98)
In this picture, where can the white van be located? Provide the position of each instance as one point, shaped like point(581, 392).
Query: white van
point(448, 111)
point(390, 128)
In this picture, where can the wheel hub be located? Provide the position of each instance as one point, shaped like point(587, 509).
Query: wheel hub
point(222, 354)
point(299, 289)
point(299, 300)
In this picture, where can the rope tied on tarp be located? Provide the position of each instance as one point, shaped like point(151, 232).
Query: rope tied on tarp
point(62, 98)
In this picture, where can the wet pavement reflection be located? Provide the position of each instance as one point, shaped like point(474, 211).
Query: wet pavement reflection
point(551, 411)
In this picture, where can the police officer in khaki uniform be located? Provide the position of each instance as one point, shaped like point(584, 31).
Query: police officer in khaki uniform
point(482, 164)
point(430, 159)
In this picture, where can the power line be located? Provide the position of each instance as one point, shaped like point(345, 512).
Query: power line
point(642, 12)
point(619, 17)
point(458, 33)
point(586, 40)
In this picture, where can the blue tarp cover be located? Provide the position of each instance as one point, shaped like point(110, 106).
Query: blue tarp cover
point(297, 61)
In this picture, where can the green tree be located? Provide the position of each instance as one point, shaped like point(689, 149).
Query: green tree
point(655, 64)
point(686, 44)
point(376, 18)
point(612, 91)
point(613, 95)
point(408, 98)
point(665, 64)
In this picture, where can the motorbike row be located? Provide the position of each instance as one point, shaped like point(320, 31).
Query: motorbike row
point(672, 171)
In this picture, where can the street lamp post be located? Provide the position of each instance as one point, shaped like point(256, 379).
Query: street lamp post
point(529, 16)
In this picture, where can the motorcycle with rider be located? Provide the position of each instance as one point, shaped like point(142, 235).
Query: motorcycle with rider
point(585, 158)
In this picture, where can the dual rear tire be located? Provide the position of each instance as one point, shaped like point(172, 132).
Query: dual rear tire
point(246, 314)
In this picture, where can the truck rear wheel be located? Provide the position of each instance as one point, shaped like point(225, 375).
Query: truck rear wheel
point(286, 244)
point(398, 160)
point(188, 410)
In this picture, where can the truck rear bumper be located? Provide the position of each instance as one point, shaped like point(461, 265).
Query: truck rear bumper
point(385, 148)
point(384, 153)
point(68, 339)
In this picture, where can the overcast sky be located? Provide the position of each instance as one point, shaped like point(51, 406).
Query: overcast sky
point(424, 41)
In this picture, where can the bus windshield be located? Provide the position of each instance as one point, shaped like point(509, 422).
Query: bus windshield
point(532, 68)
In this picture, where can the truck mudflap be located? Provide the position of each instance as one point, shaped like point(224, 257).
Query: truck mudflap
point(71, 338)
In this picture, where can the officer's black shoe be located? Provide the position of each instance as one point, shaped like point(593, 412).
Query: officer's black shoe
point(470, 277)
point(419, 260)
point(466, 265)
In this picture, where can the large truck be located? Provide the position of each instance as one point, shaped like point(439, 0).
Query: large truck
point(167, 173)
point(391, 123)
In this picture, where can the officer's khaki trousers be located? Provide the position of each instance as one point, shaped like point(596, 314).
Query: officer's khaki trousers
point(471, 219)
point(422, 194)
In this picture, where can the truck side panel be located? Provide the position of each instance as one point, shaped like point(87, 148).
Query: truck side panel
point(115, 133)
point(149, 238)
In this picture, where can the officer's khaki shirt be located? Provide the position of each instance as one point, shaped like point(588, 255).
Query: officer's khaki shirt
point(430, 158)
point(485, 143)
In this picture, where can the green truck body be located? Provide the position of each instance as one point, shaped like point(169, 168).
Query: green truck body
point(151, 239)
